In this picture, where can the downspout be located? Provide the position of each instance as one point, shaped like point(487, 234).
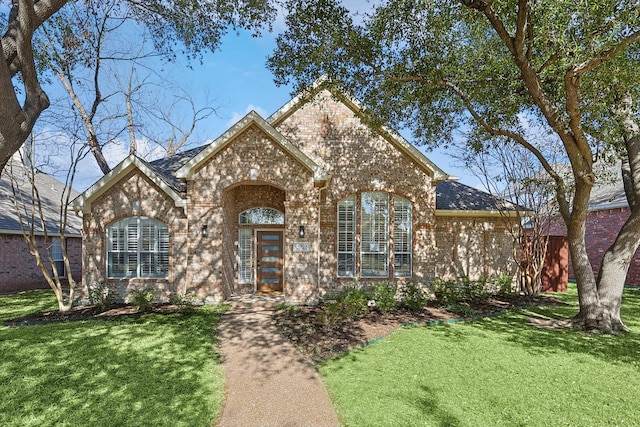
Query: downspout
point(323, 187)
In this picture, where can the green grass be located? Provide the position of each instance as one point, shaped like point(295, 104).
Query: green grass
point(496, 372)
point(149, 370)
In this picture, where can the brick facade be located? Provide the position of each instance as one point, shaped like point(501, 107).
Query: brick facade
point(282, 164)
point(18, 269)
point(601, 229)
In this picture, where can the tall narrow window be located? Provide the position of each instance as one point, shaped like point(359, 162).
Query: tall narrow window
point(56, 255)
point(374, 232)
point(402, 237)
point(137, 247)
point(347, 237)
point(244, 256)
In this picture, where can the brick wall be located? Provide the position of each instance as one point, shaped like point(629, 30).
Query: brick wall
point(134, 195)
point(18, 269)
point(601, 230)
point(472, 247)
point(358, 161)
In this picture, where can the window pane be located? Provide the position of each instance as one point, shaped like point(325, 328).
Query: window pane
point(347, 237)
point(137, 247)
point(402, 236)
point(261, 216)
point(245, 269)
point(374, 233)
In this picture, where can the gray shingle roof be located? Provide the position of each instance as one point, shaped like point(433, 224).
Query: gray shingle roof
point(50, 190)
point(167, 167)
point(454, 196)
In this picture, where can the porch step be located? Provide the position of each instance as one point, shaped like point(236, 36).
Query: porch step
point(254, 302)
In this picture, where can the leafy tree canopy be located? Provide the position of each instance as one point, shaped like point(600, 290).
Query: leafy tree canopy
point(425, 65)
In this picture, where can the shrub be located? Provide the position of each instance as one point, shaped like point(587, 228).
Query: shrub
point(141, 298)
point(353, 302)
point(384, 296)
point(413, 297)
point(474, 291)
point(446, 291)
point(332, 314)
point(102, 294)
point(503, 284)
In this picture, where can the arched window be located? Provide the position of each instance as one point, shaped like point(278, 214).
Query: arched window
point(137, 247)
point(376, 230)
point(261, 216)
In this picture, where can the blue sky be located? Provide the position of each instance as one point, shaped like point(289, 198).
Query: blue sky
point(235, 80)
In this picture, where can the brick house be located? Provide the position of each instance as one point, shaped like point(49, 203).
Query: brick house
point(608, 211)
point(18, 269)
point(304, 202)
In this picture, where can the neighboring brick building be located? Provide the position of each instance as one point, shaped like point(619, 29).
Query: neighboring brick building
point(608, 211)
point(304, 202)
point(18, 269)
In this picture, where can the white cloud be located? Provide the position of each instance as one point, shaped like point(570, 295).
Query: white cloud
point(236, 116)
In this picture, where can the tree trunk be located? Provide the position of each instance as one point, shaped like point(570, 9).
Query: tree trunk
point(613, 273)
point(616, 260)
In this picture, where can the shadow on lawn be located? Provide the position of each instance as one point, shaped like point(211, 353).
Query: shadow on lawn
point(144, 370)
point(514, 328)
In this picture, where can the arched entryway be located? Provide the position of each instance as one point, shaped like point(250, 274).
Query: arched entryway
point(254, 238)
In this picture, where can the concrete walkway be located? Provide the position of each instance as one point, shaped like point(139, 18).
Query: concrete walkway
point(268, 382)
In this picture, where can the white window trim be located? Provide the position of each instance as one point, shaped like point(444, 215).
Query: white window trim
point(243, 253)
point(246, 212)
point(396, 204)
point(350, 227)
point(123, 225)
point(58, 257)
point(398, 201)
point(378, 243)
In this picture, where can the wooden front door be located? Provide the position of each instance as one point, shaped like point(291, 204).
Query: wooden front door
point(269, 261)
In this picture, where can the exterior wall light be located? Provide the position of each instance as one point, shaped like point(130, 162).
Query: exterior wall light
point(253, 174)
point(301, 231)
point(205, 230)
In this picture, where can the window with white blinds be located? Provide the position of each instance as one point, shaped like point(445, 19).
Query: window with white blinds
point(245, 248)
point(402, 237)
point(374, 235)
point(137, 247)
point(376, 229)
point(347, 237)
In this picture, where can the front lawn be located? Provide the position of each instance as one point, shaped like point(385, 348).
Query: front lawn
point(499, 372)
point(143, 370)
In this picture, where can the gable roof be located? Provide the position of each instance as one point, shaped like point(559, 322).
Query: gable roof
point(83, 202)
point(252, 118)
point(356, 106)
point(51, 192)
point(452, 198)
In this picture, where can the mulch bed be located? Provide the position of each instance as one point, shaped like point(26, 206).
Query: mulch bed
point(88, 312)
point(306, 328)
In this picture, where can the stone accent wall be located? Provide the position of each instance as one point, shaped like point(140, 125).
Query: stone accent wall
point(135, 195)
point(472, 247)
point(18, 269)
point(601, 230)
point(358, 161)
point(216, 199)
